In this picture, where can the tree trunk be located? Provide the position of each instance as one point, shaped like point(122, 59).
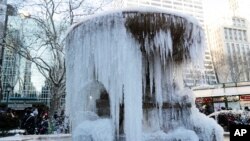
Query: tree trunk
point(54, 102)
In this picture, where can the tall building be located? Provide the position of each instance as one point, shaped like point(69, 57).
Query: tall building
point(3, 12)
point(237, 49)
point(240, 8)
point(10, 68)
point(230, 46)
point(3, 9)
point(194, 76)
point(28, 90)
point(16, 70)
point(191, 7)
point(45, 95)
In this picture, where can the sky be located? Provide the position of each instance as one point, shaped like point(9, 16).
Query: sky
point(219, 9)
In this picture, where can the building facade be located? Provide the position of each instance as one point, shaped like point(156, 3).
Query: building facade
point(11, 63)
point(28, 90)
point(3, 9)
point(229, 42)
point(240, 8)
point(45, 96)
point(231, 49)
point(193, 76)
point(16, 70)
point(237, 49)
point(228, 95)
point(191, 7)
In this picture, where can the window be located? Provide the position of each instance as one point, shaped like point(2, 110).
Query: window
point(212, 77)
point(210, 72)
point(207, 62)
point(156, 4)
point(230, 34)
point(235, 35)
point(242, 48)
point(233, 49)
point(245, 35)
point(166, 1)
point(234, 22)
point(225, 32)
point(243, 22)
point(228, 50)
point(238, 22)
point(209, 67)
point(240, 36)
point(177, 3)
point(237, 46)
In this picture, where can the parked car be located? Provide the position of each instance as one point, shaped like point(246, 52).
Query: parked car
point(229, 117)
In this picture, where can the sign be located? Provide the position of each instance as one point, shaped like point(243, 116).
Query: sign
point(219, 99)
point(19, 106)
point(239, 132)
point(204, 100)
point(233, 98)
point(245, 97)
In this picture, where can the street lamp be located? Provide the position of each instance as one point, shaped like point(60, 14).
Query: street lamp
point(8, 89)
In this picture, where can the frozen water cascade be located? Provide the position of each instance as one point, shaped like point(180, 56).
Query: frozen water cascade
point(124, 73)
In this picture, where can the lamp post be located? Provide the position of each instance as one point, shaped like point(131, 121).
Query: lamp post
point(8, 89)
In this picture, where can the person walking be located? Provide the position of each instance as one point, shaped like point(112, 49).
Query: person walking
point(44, 125)
point(28, 122)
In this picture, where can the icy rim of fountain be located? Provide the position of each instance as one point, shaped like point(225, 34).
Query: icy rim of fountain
point(183, 37)
point(135, 9)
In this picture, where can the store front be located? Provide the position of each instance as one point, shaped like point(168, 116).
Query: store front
point(205, 105)
point(245, 101)
point(233, 96)
point(224, 102)
point(219, 103)
point(233, 102)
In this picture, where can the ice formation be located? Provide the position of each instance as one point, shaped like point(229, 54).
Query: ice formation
point(97, 130)
point(137, 58)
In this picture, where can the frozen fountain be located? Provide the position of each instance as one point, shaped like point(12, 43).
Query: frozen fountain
point(124, 78)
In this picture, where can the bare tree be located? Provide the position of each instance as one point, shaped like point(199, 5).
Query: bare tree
point(45, 47)
point(231, 68)
point(221, 68)
point(238, 68)
point(196, 76)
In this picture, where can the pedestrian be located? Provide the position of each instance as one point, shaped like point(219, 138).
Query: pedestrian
point(29, 122)
point(44, 125)
point(25, 117)
point(245, 117)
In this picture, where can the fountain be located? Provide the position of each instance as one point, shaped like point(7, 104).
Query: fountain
point(124, 78)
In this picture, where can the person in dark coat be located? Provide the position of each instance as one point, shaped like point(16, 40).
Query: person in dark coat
point(25, 117)
point(29, 123)
point(44, 125)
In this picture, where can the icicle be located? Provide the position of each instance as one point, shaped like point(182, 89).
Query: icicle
point(151, 76)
